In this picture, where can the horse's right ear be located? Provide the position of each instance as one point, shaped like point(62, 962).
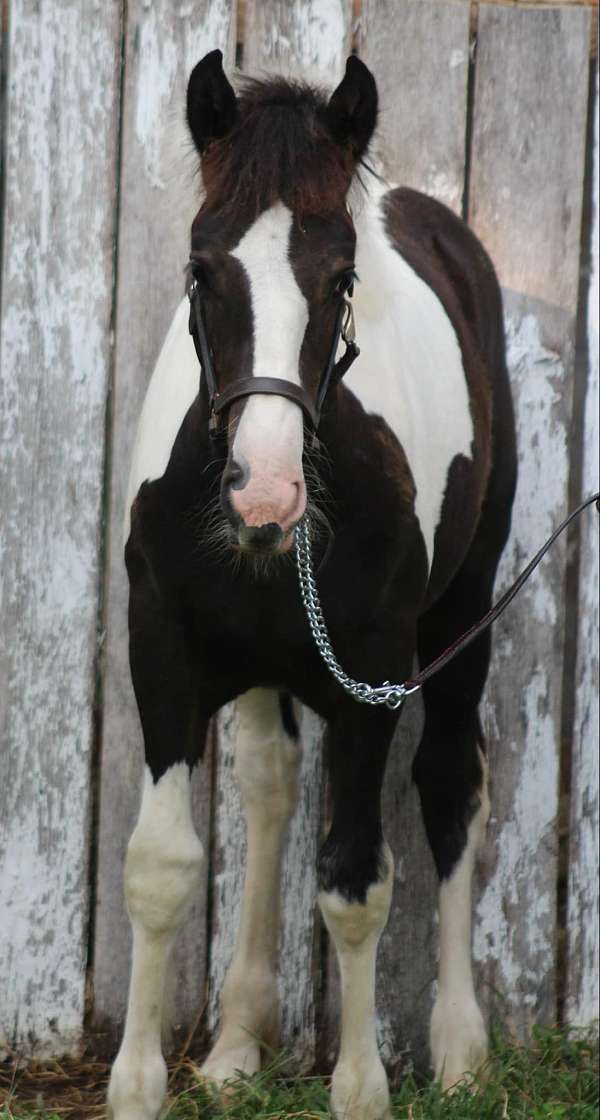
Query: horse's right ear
point(211, 102)
point(352, 109)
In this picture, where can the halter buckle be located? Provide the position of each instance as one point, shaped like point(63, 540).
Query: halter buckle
point(348, 325)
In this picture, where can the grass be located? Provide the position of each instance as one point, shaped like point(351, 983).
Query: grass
point(556, 1078)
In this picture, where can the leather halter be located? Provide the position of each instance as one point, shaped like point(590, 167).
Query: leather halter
point(219, 400)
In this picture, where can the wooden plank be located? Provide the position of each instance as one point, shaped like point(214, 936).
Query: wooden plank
point(526, 193)
point(309, 40)
point(157, 203)
point(55, 341)
point(582, 922)
point(408, 950)
point(415, 47)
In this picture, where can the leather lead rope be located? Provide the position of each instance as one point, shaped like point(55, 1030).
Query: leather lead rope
point(394, 695)
point(499, 607)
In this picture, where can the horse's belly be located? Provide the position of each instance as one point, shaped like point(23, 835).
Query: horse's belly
point(172, 390)
point(410, 372)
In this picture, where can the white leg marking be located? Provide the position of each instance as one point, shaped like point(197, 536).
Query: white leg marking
point(266, 767)
point(163, 863)
point(359, 1089)
point(458, 1034)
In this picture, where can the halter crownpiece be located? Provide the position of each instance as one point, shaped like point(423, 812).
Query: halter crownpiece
point(219, 400)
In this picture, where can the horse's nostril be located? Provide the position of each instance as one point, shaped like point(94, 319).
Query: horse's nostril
point(260, 538)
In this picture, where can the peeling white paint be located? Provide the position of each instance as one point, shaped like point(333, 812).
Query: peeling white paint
point(55, 353)
point(583, 919)
point(153, 248)
point(514, 929)
point(311, 42)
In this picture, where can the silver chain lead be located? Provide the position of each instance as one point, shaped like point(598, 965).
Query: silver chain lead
point(393, 695)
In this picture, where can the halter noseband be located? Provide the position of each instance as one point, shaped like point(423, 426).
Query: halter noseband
point(219, 400)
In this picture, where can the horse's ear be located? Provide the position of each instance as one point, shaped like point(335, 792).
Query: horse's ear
point(352, 110)
point(211, 102)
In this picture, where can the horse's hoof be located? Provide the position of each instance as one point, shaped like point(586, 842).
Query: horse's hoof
point(459, 1045)
point(223, 1067)
point(359, 1091)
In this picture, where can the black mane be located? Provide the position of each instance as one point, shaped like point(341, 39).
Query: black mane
point(280, 148)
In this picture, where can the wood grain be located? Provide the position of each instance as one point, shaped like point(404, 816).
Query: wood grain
point(309, 39)
point(584, 858)
point(526, 193)
point(538, 72)
point(419, 53)
point(57, 286)
point(158, 200)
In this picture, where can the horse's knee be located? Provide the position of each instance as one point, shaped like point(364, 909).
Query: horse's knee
point(351, 921)
point(266, 758)
point(164, 856)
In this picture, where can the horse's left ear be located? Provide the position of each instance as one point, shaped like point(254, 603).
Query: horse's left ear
point(211, 101)
point(352, 110)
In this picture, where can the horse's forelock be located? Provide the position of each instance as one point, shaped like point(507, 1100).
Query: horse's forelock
point(279, 150)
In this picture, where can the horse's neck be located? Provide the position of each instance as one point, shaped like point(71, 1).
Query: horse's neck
point(376, 289)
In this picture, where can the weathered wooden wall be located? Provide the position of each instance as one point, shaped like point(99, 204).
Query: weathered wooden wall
point(583, 917)
point(99, 195)
point(61, 143)
point(158, 196)
point(525, 191)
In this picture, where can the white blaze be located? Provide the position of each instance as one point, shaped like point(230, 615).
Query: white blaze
point(270, 433)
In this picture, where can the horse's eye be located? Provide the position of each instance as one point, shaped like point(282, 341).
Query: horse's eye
point(201, 272)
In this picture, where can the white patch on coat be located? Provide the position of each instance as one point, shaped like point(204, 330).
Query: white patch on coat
point(458, 1036)
point(266, 768)
point(172, 389)
point(359, 1088)
point(162, 870)
point(270, 436)
point(410, 368)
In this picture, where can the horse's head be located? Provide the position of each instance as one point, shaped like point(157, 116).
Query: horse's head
point(273, 256)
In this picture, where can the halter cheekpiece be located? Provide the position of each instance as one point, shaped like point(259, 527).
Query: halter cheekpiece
point(219, 400)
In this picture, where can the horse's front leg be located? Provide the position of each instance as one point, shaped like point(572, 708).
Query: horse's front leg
point(266, 767)
point(355, 879)
point(164, 856)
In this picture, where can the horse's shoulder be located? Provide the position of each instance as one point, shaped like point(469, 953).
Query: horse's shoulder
point(172, 389)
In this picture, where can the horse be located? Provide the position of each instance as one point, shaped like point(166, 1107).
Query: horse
point(403, 462)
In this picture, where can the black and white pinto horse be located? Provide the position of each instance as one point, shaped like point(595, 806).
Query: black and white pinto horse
point(411, 481)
